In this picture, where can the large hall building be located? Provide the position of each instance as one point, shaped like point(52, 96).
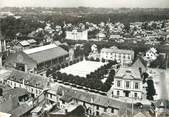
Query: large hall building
point(35, 60)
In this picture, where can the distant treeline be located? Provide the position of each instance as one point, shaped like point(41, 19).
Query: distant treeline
point(97, 18)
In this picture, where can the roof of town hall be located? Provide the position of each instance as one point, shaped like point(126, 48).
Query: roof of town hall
point(128, 73)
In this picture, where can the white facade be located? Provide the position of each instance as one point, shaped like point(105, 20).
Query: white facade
point(30, 89)
point(75, 35)
point(121, 56)
point(128, 83)
point(91, 109)
point(151, 54)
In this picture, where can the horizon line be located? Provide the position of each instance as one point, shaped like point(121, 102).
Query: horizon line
point(85, 7)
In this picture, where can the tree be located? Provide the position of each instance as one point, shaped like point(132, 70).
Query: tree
point(150, 89)
point(144, 76)
point(127, 27)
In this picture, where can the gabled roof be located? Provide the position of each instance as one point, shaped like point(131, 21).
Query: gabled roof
point(87, 97)
point(28, 78)
point(114, 49)
point(15, 92)
point(24, 43)
point(45, 53)
point(130, 72)
point(139, 62)
point(21, 110)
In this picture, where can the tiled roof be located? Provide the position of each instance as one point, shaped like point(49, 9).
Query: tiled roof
point(46, 53)
point(15, 92)
point(24, 43)
point(29, 79)
point(140, 62)
point(19, 111)
point(116, 50)
point(128, 71)
point(89, 98)
point(31, 41)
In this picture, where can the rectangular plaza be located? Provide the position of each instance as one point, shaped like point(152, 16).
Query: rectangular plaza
point(82, 68)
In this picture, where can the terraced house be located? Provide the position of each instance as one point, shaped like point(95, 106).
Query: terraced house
point(68, 99)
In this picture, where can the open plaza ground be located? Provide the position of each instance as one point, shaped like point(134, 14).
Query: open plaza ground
point(82, 68)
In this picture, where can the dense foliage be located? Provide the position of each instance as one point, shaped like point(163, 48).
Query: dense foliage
point(92, 80)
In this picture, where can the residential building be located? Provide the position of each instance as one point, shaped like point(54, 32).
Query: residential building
point(128, 83)
point(33, 83)
point(94, 104)
point(124, 57)
point(65, 98)
point(151, 54)
point(26, 44)
point(77, 35)
point(35, 60)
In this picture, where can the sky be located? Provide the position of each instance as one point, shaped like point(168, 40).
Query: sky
point(87, 3)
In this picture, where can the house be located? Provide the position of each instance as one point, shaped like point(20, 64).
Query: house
point(124, 57)
point(12, 98)
point(101, 36)
point(33, 83)
point(151, 54)
point(77, 35)
point(128, 83)
point(115, 36)
point(24, 44)
point(35, 60)
point(68, 99)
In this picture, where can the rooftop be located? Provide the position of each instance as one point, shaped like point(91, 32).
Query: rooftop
point(82, 68)
point(128, 72)
point(24, 43)
point(29, 79)
point(45, 53)
point(96, 99)
point(38, 49)
point(114, 49)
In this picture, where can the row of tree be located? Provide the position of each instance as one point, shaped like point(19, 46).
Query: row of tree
point(93, 80)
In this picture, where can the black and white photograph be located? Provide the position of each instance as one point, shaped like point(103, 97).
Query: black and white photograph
point(84, 58)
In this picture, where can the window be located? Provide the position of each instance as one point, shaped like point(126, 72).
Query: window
point(128, 56)
point(105, 109)
point(135, 95)
point(112, 110)
point(136, 85)
point(118, 93)
point(118, 83)
point(127, 84)
point(50, 95)
point(97, 107)
point(32, 89)
point(36, 91)
point(97, 113)
point(14, 84)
